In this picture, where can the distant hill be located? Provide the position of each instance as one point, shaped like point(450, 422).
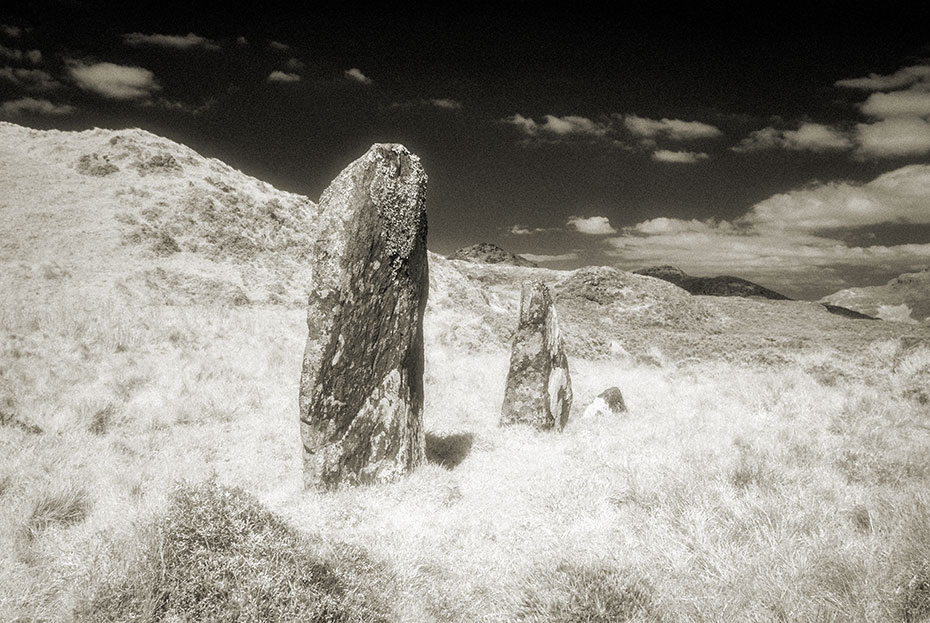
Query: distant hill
point(487, 253)
point(906, 298)
point(713, 286)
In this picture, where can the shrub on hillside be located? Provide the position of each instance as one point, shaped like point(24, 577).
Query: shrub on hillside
point(218, 555)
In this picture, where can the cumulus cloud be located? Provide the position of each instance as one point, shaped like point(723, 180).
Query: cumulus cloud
point(440, 102)
point(542, 259)
point(242, 41)
point(790, 241)
point(13, 32)
point(815, 137)
point(897, 104)
point(294, 64)
point(902, 78)
point(120, 82)
point(277, 45)
point(554, 126)
point(280, 76)
point(679, 157)
point(177, 42)
point(593, 225)
point(672, 129)
point(29, 105)
point(31, 79)
point(356, 74)
point(897, 136)
point(524, 230)
point(445, 102)
point(899, 196)
point(899, 112)
point(33, 56)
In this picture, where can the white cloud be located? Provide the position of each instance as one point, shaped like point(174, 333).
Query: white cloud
point(558, 126)
point(177, 42)
point(445, 102)
point(121, 82)
point(786, 241)
point(594, 225)
point(679, 157)
point(277, 45)
point(13, 32)
point(875, 82)
point(29, 105)
point(814, 137)
point(242, 41)
point(900, 113)
point(280, 76)
point(673, 129)
point(356, 74)
point(663, 225)
point(294, 64)
point(32, 79)
point(33, 56)
point(542, 259)
point(523, 230)
point(897, 104)
point(897, 136)
point(899, 196)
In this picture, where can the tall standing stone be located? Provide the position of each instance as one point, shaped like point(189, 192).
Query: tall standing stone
point(361, 386)
point(539, 387)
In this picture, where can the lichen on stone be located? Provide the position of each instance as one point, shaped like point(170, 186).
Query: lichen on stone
point(398, 185)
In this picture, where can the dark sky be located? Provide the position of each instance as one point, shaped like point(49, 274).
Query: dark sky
point(789, 146)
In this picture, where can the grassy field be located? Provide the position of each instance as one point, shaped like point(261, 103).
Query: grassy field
point(734, 489)
point(774, 464)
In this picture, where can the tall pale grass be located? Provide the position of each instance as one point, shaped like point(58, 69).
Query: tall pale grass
point(794, 490)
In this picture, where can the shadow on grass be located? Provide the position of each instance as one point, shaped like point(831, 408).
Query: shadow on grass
point(448, 450)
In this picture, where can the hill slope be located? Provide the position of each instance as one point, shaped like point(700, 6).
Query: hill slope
point(129, 212)
point(722, 285)
point(906, 298)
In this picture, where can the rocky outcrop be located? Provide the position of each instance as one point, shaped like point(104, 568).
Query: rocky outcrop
point(361, 387)
point(608, 402)
point(539, 386)
point(906, 298)
point(487, 253)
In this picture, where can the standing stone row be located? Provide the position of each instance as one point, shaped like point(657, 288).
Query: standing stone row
point(361, 385)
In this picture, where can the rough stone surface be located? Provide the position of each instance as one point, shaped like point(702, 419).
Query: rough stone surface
point(361, 386)
point(608, 402)
point(539, 387)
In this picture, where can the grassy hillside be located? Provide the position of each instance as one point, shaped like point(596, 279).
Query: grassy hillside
point(773, 465)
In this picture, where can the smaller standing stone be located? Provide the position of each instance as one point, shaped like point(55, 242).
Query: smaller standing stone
point(609, 402)
point(539, 387)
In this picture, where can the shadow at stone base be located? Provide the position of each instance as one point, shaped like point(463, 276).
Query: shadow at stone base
point(448, 450)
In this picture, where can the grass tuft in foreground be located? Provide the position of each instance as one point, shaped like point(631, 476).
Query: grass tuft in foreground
point(590, 594)
point(219, 556)
point(64, 507)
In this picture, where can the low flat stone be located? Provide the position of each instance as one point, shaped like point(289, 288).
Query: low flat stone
point(608, 402)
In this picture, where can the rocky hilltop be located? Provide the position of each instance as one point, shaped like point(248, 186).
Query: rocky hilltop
point(906, 298)
point(487, 253)
point(723, 285)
